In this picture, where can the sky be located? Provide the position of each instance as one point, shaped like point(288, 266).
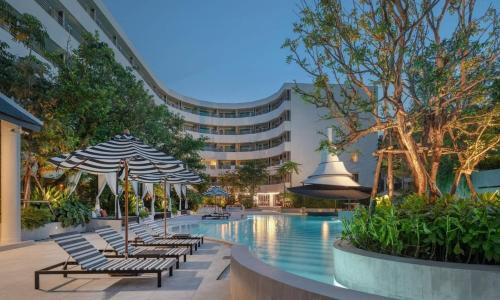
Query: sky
point(216, 50)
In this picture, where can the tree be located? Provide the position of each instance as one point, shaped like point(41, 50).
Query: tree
point(393, 65)
point(88, 100)
point(287, 169)
point(230, 181)
point(251, 175)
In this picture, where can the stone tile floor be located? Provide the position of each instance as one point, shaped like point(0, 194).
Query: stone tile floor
point(196, 279)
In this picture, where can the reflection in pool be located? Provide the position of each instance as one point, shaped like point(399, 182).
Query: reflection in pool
point(298, 244)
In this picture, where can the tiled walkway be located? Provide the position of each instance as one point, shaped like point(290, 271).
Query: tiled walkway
point(196, 279)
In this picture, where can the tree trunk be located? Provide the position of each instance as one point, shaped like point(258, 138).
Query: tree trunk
point(412, 156)
point(456, 182)
point(472, 189)
point(376, 178)
point(390, 176)
point(436, 160)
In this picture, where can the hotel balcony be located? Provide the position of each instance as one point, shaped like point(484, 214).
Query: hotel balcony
point(247, 155)
point(235, 121)
point(244, 138)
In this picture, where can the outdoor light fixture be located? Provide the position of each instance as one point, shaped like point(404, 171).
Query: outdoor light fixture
point(355, 157)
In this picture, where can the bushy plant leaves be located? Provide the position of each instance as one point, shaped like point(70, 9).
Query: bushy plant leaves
point(451, 229)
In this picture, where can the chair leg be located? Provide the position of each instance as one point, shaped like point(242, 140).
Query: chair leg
point(170, 271)
point(37, 280)
point(158, 278)
point(185, 256)
point(177, 263)
point(191, 249)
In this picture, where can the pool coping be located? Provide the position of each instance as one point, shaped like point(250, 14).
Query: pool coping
point(281, 284)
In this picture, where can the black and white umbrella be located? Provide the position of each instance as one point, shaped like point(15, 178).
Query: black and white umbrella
point(109, 157)
point(122, 154)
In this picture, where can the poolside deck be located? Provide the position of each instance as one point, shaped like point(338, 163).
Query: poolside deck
point(196, 279)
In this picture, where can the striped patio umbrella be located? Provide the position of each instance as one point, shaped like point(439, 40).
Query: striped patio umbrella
point(122, 154)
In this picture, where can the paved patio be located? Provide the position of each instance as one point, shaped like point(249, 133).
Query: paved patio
point(196, 279)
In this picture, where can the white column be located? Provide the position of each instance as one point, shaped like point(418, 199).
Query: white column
point(10, 183)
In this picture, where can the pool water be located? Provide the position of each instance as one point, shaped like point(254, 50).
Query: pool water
point(302, 245)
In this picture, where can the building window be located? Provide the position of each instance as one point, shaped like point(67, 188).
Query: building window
point(60, 17)
point(355, 177)
point(92, 13)
point(263, 200)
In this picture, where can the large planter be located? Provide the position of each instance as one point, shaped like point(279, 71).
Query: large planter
point(407, 278)
point(98, 223)
point(48, 229)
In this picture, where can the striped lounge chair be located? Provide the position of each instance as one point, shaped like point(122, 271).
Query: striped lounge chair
point(91, 261)
point(116, 241)
point(159, 231)
point(142, 237)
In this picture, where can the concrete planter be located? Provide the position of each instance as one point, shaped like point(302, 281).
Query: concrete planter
point(407, 278)
point(98, 223)
point(46, 230)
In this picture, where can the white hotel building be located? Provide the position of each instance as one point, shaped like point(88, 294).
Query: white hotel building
point(275, 129)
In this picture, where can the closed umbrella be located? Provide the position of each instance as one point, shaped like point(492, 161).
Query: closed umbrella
point(123, 153)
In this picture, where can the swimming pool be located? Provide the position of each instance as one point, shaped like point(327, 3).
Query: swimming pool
point(302, 245)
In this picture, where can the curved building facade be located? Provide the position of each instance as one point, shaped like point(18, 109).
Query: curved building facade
point(273, 130)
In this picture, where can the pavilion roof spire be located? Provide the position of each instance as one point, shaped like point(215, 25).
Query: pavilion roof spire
point(331, 170)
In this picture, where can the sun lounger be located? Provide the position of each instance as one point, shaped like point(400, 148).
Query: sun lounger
point(144, 238)
point(116, 241)
point(91, 261)
point(159, 231)
point(215, 216)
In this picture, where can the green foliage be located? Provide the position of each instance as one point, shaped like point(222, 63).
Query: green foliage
point(24, 28)
point(230, 181)
point(252, 174)
point(288, 167)
point(71, 212)
point(143, 213)
point(32, 217)
point(194, 199)
point(246, 201)
point(88, 100)
point(451, 229)
point(52, 194)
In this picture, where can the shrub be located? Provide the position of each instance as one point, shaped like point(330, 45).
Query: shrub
point(71, 212)
point(246, 201)
point(143, 213)
point(450, 229)
point(32, 217)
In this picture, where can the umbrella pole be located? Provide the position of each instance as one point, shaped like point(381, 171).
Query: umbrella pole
point(165, 209)
point(126, 209)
